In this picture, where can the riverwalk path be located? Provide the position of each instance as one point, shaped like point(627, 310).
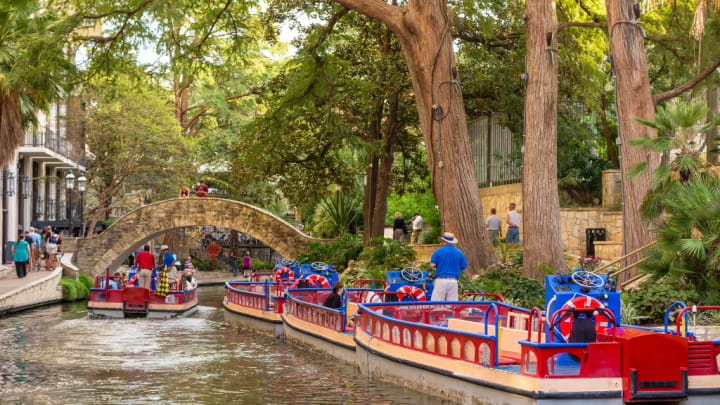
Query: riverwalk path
point(37, 288)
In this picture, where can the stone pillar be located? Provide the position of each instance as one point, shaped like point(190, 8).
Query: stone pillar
point(11, 226)
point(611, 189)
point(40, 209)
point(27, 203)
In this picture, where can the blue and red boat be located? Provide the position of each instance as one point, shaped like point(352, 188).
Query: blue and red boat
point(115, 297)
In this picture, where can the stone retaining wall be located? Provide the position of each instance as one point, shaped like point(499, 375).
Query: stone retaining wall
point(39, 292)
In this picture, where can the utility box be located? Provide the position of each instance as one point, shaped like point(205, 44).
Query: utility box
point(591, 235)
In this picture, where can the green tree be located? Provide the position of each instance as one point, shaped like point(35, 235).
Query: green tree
point(33, 67)
point(131, 131)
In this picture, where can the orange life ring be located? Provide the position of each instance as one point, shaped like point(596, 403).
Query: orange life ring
point(284, 270)
point(318, 279)
point(416, 292)
point(131, 282)
point(583, 301)
point(372, 298)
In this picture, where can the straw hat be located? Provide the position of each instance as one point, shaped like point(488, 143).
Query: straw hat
point(449, 238)
point(163, 247)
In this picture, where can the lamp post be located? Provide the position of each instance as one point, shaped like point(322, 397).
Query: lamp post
point(82, 181)
point(26, 187)
point(51, 207)
point(70, 185)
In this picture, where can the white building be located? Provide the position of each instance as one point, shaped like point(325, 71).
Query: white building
point(33, 182)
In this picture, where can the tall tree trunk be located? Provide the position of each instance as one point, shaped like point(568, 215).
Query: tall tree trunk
point(713, 92)
point(422, 28)
point(371, 176)
point(541, 204)
point(634, 100)
point(609, 135)
point(383, 187)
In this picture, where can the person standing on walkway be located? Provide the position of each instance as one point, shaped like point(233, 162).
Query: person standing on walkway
point(448, 261)
point(233, 261)
point(145, 261)
point(34, 238)
point(417, 224)
point(51, 248)
point(201, 189)
point(513, 221)
point(247, 263)
point(21, 255)
point(494, 227)
point(399, 229)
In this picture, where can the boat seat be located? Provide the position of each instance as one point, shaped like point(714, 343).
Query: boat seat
point(583, 330)
point(507, 358)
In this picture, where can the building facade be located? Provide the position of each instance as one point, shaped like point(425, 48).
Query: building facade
point(33, 183)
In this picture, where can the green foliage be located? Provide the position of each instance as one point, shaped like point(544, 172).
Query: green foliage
point(653, 297)
point(508, 281)
point(73, 289)
point(340, 211)
point(346, 248)
point(430, 236)
point(409, 203)
point(201, 265)
point(387, 254)
point(261, 265)
point(86, 280)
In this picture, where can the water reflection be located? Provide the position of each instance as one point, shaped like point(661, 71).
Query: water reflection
point(58, 355)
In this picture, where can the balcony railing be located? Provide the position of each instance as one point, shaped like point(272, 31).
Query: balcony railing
point(50, 140)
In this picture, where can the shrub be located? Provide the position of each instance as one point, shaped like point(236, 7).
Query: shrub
point(201, 265)
point(85, 279)
point(261, 265)
point(346, 248)
point(73, 290)
point(653, 297)
point(430, 236)
point(387, 254)
point(508, 281)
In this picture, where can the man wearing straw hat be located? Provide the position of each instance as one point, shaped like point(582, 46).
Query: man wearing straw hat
point(448, 261)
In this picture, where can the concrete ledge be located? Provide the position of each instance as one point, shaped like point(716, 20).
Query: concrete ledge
point(39, 292)
point(69, 269)
point(424, 252)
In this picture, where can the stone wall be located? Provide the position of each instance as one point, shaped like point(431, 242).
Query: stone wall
point(39, 292)
point(500, 197)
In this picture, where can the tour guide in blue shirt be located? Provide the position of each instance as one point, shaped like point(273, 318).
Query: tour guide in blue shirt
point(168, 258)
point(449, 262)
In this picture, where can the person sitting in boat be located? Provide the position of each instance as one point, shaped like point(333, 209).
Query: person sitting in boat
point(190, 281)
point(334, 300)
point(116, 282)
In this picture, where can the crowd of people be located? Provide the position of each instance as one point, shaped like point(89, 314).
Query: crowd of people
point(36, 251)
point(200, 189)
point(162, 268)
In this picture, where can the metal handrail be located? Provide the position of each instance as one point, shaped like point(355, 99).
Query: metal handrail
point(612, 263)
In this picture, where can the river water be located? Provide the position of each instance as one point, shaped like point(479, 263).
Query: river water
point(57, 355)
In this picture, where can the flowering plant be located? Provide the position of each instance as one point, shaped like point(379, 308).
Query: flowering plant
point(588, 263)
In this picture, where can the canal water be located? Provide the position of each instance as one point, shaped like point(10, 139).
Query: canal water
point(57, 355)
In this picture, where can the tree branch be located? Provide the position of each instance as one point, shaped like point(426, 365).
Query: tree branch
point(115, 12)
point(660, 97)
point(331, 24)
point(387, 14)
point(581, 24)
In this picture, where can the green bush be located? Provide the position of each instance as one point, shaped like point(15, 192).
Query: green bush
point(430, 236)
point(85, 279)
point(653, 297)
point(346, 248)
point(387, 254)
point(201, 265)
point(515, 288)
point(410, 203)
point(261, 265)
point(73, 289)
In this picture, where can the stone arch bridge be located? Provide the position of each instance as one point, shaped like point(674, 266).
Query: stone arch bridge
point(117, 242)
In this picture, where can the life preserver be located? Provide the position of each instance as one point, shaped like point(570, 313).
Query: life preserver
point(318, 279)
point(284, 270)
point(372, 298)
point(416, 292)
point(131, 282)
point(583, 301)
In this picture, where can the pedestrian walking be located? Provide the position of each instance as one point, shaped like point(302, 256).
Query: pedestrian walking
point(21, 255)
point(34, 239)
point(417, 225)
point(233, 262)
point(52, 247)
point(145, 262)
point(399, 229)
point(494, 227)
point(448, 261)
point(513, 221)
point(247, 263)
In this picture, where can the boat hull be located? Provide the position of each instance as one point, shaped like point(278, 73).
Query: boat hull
point(336, 344)
point(160, 311)
point(269, 323)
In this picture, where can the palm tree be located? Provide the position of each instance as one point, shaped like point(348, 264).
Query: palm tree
point(31, 62)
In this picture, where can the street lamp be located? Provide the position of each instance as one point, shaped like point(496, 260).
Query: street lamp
point(8, 183)
point(51, 206)
point(70, 185)
point(26, 187)
point(82, 181)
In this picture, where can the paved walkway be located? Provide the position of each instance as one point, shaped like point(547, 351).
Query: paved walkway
point(11, 282)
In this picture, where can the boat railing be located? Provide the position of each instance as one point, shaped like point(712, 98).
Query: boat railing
point(247, 294)
point(667, 315)
point(498, 297)
point(303, 304)
point(571, 360)
point(401, 324)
